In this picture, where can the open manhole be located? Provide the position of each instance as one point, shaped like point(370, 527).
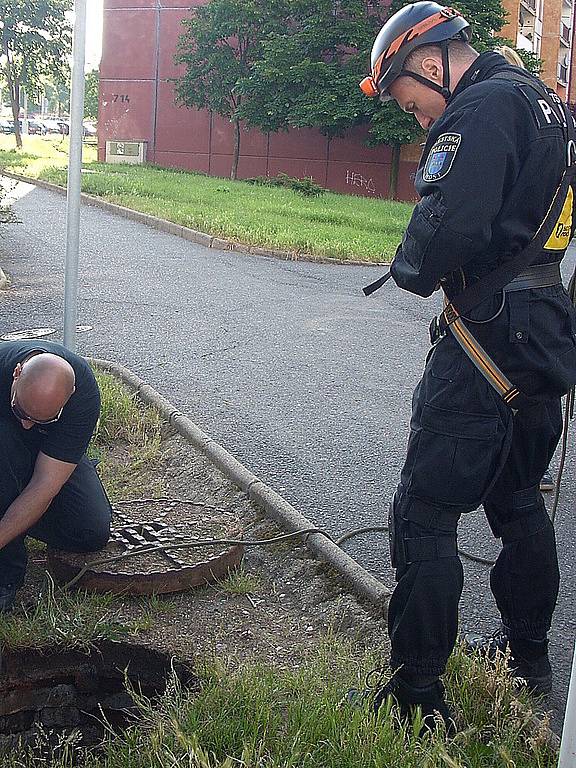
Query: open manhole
point(51, 695)
point(149, 551)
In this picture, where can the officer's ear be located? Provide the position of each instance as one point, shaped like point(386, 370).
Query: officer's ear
point(432, 68)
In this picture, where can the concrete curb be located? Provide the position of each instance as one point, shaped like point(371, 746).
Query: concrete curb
point(278, 509)
point(201, 238)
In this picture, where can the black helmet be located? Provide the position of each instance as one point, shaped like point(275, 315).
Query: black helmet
point(423, 23)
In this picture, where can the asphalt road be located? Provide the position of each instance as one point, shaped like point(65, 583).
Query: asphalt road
point(286, 364)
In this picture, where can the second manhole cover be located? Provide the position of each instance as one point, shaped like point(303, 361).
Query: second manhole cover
point(164, 528)
point(28, 333)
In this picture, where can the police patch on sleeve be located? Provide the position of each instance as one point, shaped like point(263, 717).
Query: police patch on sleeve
point(441, 156)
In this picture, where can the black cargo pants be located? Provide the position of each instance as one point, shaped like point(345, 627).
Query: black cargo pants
point(467, 448)
point(77, 520)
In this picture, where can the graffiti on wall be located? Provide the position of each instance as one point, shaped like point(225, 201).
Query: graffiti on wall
point(358, 180)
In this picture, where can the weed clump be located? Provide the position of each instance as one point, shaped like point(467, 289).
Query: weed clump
point(305, 187)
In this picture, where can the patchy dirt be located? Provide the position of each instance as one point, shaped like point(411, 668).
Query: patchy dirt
point(287, 600)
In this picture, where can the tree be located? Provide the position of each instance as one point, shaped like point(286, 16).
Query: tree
point(220, 45)
point(303, 65)
point(308, 75)
point(389, 125)
point(319, 62)
point(57, 94)
point(36, 40)
point(91, 94)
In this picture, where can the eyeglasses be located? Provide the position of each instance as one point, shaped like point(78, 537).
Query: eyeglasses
point(23, 416)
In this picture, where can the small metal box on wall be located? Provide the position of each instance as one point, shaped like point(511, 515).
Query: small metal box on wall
point(133, 152)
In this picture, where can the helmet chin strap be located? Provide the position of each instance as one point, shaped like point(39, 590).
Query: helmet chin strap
point(444, 89)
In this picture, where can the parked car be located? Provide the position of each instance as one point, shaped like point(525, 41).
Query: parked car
point(64, 127)
point(52, 126)
point(90, 130)
point(36, 127)
point(8, 126)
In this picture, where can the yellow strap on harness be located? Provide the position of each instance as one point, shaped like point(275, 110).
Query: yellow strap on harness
point(482, 360)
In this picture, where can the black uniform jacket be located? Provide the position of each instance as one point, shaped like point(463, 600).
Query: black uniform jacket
point(489, 170)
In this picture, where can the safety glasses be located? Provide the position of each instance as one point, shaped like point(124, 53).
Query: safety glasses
point(23, 416)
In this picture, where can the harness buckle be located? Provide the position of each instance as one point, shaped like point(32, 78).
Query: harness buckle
point(436, 333)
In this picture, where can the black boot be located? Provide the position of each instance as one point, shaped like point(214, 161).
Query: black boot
point(528, 662)
point(409, 696)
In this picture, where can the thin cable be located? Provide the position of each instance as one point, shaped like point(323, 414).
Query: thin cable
point(489, 320)
point(146, 549)
point(569, 408)
point(482, 322)
point(358, 531)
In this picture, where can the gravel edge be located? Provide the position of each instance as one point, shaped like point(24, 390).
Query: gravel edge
point(362, 583)
point(193, 235)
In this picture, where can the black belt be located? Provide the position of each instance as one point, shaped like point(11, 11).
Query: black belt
point(538, 276)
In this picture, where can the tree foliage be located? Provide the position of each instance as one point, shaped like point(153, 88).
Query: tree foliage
point(57, 93)
point(36, 40)
point(91, 85)
point(308, 75)
point(220, 44)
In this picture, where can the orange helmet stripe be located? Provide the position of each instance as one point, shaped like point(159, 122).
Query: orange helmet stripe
point(446, 14)
point(378, 66)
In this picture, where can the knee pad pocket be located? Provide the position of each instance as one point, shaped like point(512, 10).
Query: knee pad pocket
point(417, 535)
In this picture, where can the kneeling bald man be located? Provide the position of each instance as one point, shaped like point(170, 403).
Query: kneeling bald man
point(49, 407)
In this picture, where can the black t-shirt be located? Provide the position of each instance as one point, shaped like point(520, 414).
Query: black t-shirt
point(66, 439)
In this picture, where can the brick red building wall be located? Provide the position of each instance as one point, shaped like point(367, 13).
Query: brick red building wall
point(137, 104)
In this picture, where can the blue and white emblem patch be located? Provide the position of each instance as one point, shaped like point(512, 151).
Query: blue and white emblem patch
point(441, 156)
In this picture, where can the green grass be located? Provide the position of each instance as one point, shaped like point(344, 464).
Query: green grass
point(73, 619)
point(238, 582)
point(136, 432)
point(37, 153)
point(337, 226)
point(259, 717)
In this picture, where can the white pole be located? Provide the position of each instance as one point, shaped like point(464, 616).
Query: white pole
point(568, 746)
point(74, 175)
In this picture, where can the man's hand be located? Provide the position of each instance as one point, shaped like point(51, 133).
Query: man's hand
point(48, 478)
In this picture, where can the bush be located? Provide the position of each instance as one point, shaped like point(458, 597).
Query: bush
point(305, 187)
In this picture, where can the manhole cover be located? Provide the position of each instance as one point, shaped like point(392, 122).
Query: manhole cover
point(49, 694)
point(28, 333)
point(148, 550)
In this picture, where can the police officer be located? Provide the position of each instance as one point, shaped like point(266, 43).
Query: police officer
point(486, 414)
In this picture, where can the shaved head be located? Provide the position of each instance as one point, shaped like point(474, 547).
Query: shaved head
point(43, 384)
